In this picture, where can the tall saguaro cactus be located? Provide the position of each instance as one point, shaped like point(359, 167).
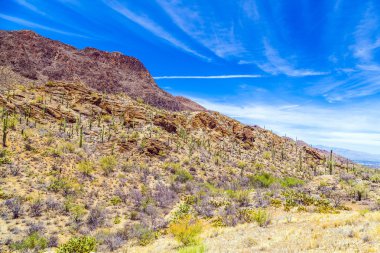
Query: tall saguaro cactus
point(81, 137)
point(5, 130)
point(331, 163)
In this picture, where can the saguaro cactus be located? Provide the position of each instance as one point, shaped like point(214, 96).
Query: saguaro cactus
point(81, 137)
point(5, 130)
point(331, 163)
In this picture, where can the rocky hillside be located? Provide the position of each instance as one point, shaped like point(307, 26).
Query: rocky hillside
point(105, 168)
point(40, 59)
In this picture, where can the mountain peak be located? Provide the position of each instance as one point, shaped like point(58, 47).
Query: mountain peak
point(41, 59)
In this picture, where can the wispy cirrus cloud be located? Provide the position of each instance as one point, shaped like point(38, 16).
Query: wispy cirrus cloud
point(30, 7)
point(203, 27)
point(207, 77)
point(363, 79)
point(30, 24)
point(148, 24)
point(276, 65)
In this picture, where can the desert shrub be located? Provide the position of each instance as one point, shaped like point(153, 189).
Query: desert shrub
point(324, 206)
point(5, 157)
point(36, 228)
point(240, 196)
point(203, 207)
point(32, 242)
point(295, 198)
point(52, 204)
point(275, 202)
point(84, 244)
point(15, 206)
point(143, 234)
point(229, 216)
point(291, 182)
point(360, 191)
point(121, 194)
point(183, 175)
point(375, 178)
point(267, 155)
point(263, 180)
point(193, 249)
point(261, 216)
point(77, 212)
point(53, 241)
point(346, 177)
point(108, 164)
point(115, 200)
point(163, 195)
point(113, 241)
point(96, 217)
point(86, 167)
point(12, 121)
point(36, 208)
point(66, 147)
point(53, 152)
point(171, 166)
point(186, 230)
point(259, 166)
point(66, 185)
point(183, 210)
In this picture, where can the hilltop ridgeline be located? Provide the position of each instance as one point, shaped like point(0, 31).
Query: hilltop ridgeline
point(39, 59)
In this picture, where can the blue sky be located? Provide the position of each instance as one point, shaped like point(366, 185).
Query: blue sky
point(307, 69)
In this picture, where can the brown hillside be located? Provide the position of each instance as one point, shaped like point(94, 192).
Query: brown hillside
point(41, 59)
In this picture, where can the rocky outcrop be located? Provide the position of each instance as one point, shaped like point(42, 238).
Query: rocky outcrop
point(41, 59)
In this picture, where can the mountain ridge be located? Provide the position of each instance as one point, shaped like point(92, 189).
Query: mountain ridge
point(41, 59)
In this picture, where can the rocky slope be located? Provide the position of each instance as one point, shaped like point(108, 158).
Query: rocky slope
point(40, 59)
point(76, 162)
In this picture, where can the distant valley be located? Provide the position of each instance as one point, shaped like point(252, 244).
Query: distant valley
point(366, 159)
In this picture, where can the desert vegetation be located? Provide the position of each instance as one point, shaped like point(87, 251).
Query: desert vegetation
point(85, 171)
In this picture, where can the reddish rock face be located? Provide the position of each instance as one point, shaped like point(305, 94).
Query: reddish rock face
point(42, 59)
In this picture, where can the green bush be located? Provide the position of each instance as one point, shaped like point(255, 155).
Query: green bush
point(85, 167)
point(182, 211)
point(84, 244)
point(262, 217)
point(186, 230)
point(170, 166)
point(291, 182)
point(267, 155)
point(182, 175)
point(296, 198)
point(5, 157)
point(143, 234)
point(108, 164)
point(33, 241)
point(66, 185)
point(193, 249)
point(263, 180)
point(116, 200)
point(240, 196)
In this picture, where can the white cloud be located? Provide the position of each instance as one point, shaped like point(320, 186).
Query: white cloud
point(354, 127)
point(151, 26)
point(207, 77)
point(276, 65)
point(366, 36)
point(38, 26)
point(30, 7)
point(219, 38)
point(250, 9)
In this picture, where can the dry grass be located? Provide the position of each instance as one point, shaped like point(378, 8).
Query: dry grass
point(305, 232)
